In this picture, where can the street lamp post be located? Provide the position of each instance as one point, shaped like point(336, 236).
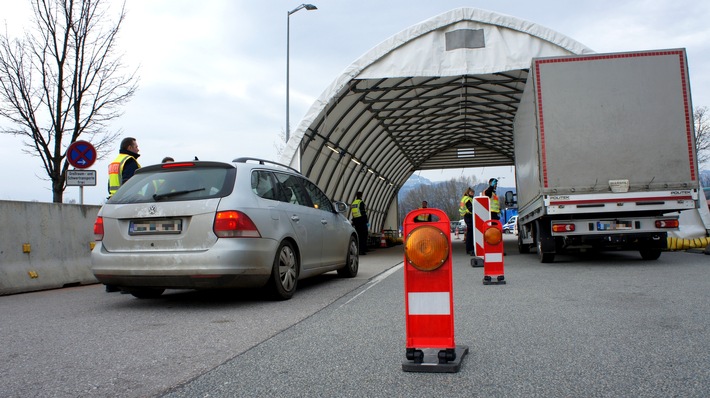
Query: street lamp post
point(309, 7)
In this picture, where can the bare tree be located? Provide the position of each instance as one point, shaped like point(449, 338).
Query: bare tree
point(63, 80)
point(702, 134)
point(444, 195)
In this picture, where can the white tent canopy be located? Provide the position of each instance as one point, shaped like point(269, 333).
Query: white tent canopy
point(440, 94)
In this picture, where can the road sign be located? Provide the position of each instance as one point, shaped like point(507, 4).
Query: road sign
point(80, 178)
point(81, 154)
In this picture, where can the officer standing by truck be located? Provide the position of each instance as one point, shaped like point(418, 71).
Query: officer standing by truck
point(494, 205)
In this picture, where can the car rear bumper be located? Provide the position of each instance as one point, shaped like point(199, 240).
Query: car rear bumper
point(239, 262)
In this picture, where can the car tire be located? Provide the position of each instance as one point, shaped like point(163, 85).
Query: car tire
point(146, 292)
point(284, 273)
point(352, 260)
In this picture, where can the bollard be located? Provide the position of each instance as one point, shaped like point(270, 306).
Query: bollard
point(481, 214)
point(428, 294)
point(493, 258)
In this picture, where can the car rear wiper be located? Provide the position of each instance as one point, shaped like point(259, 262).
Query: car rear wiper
point(175, 193)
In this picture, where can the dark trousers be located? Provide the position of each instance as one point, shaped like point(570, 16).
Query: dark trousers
point(468, 219)
point(361, 229)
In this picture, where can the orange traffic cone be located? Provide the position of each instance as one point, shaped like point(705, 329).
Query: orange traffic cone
point(383, 241)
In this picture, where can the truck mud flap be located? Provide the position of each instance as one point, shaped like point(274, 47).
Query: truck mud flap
point(545, 242)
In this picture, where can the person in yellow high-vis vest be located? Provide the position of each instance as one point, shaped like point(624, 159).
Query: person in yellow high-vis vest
point(494, 204)
point(119, 171)
point(124, 166)
point(360, 221)
point(424, 217)
point(466, 211)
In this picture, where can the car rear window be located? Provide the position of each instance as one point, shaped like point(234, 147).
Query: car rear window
point(159, 184)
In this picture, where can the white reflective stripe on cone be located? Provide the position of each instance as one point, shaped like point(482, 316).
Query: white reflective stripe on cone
point(494, 257)
point(429, 303)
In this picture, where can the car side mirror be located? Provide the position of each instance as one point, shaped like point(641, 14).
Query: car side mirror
point(510, 199)
point(340, 207)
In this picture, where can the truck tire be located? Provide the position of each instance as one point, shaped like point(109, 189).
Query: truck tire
point(650, 254)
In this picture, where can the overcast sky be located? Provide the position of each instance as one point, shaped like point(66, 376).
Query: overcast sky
point(213, 72)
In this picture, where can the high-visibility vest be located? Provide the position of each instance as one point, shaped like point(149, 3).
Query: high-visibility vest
point(115, 172)
point(495, 204)
point(463, 210)
point(356, 208)
point(424, 217)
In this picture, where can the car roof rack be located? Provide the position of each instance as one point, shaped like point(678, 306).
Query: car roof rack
point(264, 161)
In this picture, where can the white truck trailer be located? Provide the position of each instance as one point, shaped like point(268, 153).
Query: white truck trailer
point(604, 152)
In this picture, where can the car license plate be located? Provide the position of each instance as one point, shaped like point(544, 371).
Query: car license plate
point(144, 227)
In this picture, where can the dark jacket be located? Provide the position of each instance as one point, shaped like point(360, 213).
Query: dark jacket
point(131, 165)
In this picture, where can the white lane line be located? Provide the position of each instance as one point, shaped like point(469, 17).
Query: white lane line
point(374, 281)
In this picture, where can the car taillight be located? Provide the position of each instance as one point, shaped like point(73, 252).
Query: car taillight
point(99, 228)
point(234, 224)
point(667, 223)
point(173, 165)
point(562, 227)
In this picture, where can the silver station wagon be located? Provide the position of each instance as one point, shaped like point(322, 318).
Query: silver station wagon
point(206, 225)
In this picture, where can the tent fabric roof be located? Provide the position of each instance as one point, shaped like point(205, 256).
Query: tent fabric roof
point(440, 94)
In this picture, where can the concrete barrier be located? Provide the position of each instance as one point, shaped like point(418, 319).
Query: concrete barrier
point(45, 245)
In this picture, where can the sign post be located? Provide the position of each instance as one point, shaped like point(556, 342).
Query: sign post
point(82, 155)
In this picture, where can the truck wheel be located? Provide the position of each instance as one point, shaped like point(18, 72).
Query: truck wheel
point(650, 254)
point(523, 248)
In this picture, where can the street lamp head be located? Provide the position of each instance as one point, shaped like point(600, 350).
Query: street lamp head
point(309, 7)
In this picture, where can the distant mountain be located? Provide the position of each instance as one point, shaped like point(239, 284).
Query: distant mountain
point(413, 182)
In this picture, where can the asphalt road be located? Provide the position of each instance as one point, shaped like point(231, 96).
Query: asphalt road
point(604, 326)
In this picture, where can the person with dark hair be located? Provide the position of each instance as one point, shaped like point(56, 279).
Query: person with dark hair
point(424, 217)
point(167, 159)
point(360, 221)
point(466, 211)
point(494, 204)
point(124, 166)
point(119, 171)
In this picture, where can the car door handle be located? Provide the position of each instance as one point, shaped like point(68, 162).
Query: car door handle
point(323, 221)
point(295, 218)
